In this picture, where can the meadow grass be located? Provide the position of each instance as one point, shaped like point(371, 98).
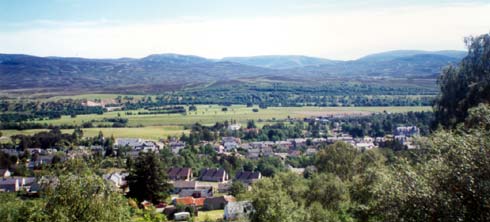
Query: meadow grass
point(210, 114)
point(163, 125)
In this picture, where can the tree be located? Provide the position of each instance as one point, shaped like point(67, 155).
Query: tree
point(328, 190)
point(338, 158)
point(464, 86)
point(272, 203)
point(85, 197)
point(237, 188)
point(450, 184)
point(147, 179)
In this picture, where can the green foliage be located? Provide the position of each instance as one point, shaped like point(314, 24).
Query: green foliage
point(13, 209)
point(237, 188)
point(149, 215)
point(272, 203)
point(465, 86)
point(85, 198)
point(338, 159)
point(328, 190)
point(452, 184)
point(147, 179)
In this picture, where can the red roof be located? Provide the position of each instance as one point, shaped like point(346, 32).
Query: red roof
point(198, 202)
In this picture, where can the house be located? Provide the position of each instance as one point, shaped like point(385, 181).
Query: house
point(284, 144)
point(298, 141)
point(5, 173)
point(11, 152)
point(230, 146)
point(365, 146)
point(248, 177)
point(176, 146)
point(9, 185)
point(138, 144)
point(205, 191)
point(217, 203)
point(253, 153)
point(118, 179)
point(294, 153)
point(179, 173)
point(407, 131)
point(230, 143)
point(189, 201)
point(180, 185)
point(234, 127)
point(15, 184)
point(267, 152)
point(238, 210)
point(229, 139)
point(213, 175)
point(40, 161)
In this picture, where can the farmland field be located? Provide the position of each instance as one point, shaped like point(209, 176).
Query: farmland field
point(163, 125)
point(210, 114)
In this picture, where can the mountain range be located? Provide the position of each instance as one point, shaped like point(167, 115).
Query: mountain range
point(174, 71)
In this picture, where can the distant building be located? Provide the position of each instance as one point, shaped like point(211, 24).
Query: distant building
point(5, 173)
point(179, 174)
point(138, 144)
point(118, 179)
point(407, 131)
point(217, 203)
point(248, 177)
point(234, 127)
point(213, 174)
point(176, 146)
point(238, 210)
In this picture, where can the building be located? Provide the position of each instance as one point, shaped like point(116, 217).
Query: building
point(5, 173)
point(118, 179)
point(175, 173)
point(213, 175)
point(189, 201)
point(217, 203)
point(248, 177)
point(234, 127)
point(138, 144)
point(176, 146)
point(15, 184)
point(204, 191)
point(407, 131)
point(238, 210)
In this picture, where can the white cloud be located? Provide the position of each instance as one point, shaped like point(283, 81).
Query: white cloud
point(339, 35)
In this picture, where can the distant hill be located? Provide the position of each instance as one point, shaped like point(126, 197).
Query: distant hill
point(390, 55)
point(164, 72)
point(421, 65)
point(280, 61)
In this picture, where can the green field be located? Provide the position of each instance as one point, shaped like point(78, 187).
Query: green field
point(163, 125)
point(210, 114)
point(212, 215)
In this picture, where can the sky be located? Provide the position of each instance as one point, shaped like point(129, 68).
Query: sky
point(215, 29)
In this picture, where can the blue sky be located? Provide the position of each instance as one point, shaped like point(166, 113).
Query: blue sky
point(212, 28)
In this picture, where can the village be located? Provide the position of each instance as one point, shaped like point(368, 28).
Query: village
point(203, 189)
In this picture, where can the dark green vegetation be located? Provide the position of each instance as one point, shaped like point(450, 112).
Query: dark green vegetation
point(168, 72)
point(148, 179)
point(466, 85)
